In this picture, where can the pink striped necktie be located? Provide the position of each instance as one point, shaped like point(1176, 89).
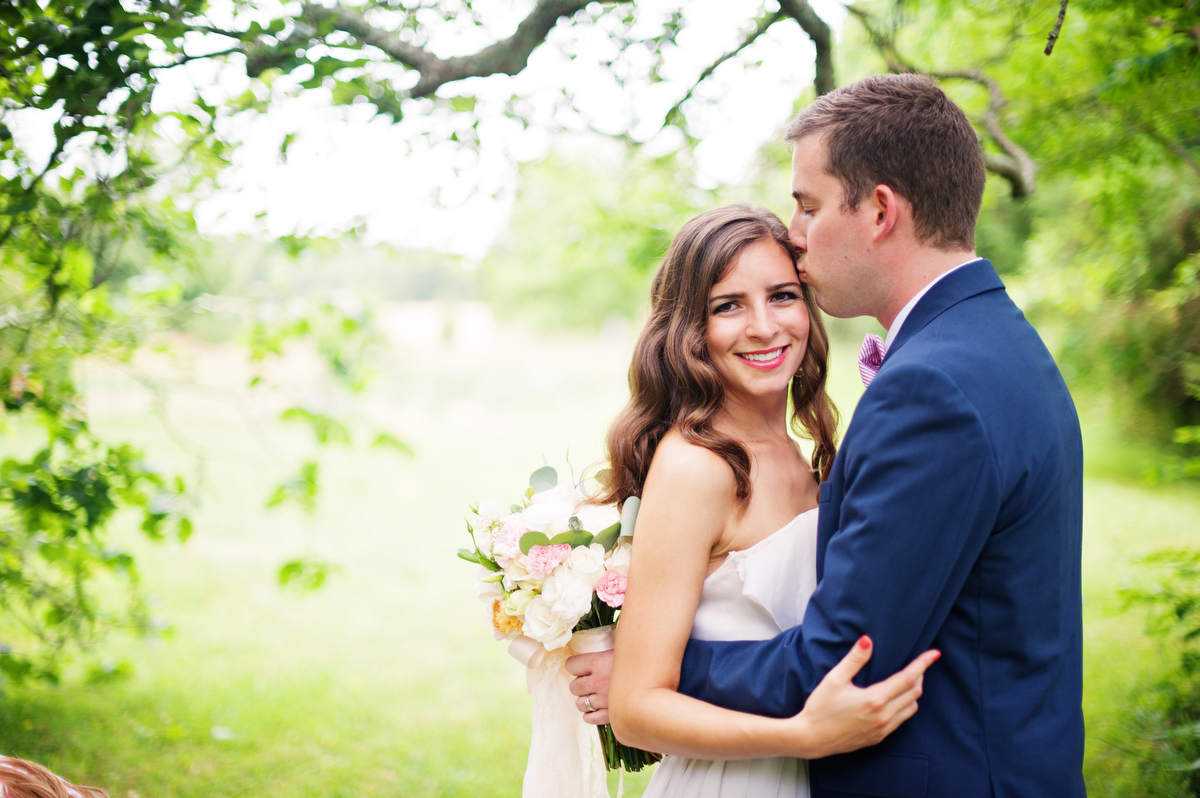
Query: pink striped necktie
point(870, 357)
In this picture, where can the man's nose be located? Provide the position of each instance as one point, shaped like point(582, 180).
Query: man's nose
point(796, 231)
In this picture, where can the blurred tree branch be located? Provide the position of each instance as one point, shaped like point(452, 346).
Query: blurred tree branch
point(1012, 162)
point(1062, 14)
point(822, 39)
point(507, 56)
point(759, 29)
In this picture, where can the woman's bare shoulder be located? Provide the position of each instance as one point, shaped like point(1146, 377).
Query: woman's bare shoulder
point(690, 472)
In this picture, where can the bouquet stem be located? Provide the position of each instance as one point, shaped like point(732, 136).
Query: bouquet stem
point(617, 756)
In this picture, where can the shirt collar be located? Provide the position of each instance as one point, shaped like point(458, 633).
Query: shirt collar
point(898, 322)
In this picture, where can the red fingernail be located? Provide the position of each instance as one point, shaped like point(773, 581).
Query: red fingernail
point(864, 642)
point(936, 656)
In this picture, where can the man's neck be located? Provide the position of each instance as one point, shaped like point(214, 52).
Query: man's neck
point(911, 276)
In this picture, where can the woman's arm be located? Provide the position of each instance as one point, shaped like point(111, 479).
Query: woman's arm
point(688, 498)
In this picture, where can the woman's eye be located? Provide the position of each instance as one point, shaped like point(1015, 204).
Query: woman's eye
point(724, 307)
point(785, 296)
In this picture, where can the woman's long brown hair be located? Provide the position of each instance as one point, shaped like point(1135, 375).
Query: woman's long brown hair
point(672, 380)
point(22, 779)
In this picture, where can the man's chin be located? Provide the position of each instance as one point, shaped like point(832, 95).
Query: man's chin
point(838, 310)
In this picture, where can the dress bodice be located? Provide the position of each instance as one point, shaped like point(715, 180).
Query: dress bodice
point(759, 592)
point(754, 595)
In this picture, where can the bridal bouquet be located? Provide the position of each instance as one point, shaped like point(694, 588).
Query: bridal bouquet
point(553, 570)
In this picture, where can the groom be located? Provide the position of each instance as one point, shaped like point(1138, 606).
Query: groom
point(952, 518)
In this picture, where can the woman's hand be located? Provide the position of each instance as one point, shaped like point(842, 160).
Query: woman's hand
point(840, 716)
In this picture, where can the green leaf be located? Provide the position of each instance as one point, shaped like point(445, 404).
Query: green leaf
point(544, 478)
point(469, 555)
point(573, 537)
point(390, 441)
point(608, 537)
point(185, 529)
point(326, 428)
point(531, 539)
point(306, 574)
point(301, 489)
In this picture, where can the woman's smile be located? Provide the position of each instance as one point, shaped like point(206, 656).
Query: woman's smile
point(766, 359)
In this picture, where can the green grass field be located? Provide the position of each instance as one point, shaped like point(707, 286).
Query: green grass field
point(387, 681)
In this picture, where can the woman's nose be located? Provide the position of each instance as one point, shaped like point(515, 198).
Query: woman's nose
point(761, 323)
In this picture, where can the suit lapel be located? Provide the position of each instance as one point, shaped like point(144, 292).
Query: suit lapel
point(971, 280)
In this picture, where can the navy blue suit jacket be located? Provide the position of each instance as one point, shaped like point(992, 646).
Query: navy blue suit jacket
point(952, 519)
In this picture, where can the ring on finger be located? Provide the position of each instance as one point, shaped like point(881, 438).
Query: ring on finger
point(587, 702)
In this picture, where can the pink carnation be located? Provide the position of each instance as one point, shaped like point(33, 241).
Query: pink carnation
point(611, 588)
point(507, 545)
point(544, 559)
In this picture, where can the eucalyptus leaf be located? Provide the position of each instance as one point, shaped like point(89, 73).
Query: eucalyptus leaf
point(573, 537)
point(608, 537)
point(629, 512)
point(544, 478)
point(531, 539)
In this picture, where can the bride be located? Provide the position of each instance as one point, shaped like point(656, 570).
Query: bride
point(726, 535)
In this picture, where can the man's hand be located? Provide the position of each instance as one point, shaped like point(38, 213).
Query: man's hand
point(590, 685)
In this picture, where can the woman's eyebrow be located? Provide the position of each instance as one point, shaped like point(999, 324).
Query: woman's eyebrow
point(726, 296)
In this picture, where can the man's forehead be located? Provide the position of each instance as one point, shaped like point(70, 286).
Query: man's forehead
point(809, 160)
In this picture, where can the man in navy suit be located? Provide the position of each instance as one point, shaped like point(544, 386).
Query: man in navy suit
point(952, 518)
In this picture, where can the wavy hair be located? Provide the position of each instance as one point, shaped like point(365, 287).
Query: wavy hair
point(672, 379)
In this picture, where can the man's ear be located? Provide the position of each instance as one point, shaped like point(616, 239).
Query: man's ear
point(887, 206)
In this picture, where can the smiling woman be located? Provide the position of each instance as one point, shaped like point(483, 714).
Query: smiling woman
point(759, 324)
point(706, 307)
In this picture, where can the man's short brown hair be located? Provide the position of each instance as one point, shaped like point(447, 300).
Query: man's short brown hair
point(902, 131)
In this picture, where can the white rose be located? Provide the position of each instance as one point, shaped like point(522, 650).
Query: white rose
point(586, 562)
point(544, 626)
point(487, 585)
point(597, 518)
point(517, 576)
point(517, 602)
point(559, 494)
point(568, 596)
point(547, 518)
point(618, 558)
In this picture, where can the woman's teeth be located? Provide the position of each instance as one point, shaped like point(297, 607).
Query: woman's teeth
point(765, 356)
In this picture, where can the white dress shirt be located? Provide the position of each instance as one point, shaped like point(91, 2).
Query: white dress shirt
point(898, 322)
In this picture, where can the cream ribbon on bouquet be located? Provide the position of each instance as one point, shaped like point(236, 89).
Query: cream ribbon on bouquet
point(565, 758)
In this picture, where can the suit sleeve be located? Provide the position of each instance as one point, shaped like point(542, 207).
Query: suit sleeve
point(921, 495)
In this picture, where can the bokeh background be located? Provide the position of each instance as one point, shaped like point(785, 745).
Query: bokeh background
point(285, 286)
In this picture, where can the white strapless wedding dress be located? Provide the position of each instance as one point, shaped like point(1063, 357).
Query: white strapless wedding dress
point(754, 595)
